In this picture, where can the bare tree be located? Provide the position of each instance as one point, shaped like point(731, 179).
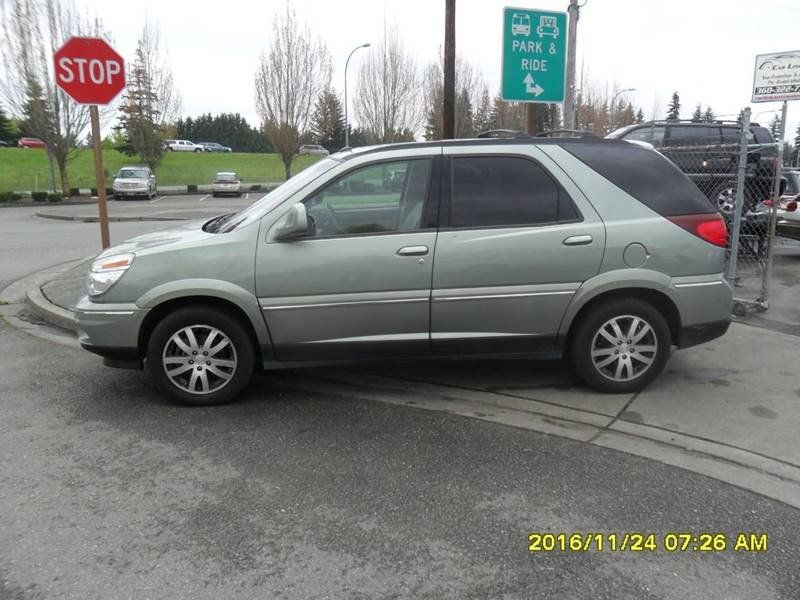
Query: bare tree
point(32, 31)
point(151, 102)
point(469, 91)
point(290, 75)
point(387, 98)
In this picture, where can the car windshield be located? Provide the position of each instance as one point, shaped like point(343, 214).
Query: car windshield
point(270, 201)
point(226, 177)
point(132, 174)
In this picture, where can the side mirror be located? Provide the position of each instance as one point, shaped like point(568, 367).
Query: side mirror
point(293, 224)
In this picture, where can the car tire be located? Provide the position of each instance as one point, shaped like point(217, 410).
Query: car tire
point(214, 194)
point(231, 364)
point(198, 149)
point(723, 198)
point(610, 363)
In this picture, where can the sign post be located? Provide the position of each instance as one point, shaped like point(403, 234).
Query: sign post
point(92, 72)
point(534, 55)
point(776, 78)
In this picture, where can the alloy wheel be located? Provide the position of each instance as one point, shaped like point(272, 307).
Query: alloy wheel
point(624, 348)
point(199, 359)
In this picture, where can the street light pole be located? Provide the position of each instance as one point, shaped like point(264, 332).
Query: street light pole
point(346, 126)
point(613, 102)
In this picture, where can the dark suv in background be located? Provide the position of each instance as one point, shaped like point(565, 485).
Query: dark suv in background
point(708, 153)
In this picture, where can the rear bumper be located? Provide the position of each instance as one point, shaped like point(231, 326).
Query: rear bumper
point(705, 304)
point(692, 335)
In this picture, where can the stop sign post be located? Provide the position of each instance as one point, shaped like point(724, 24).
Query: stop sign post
point(92, 72)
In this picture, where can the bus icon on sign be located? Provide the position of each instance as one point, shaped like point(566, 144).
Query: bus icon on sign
point(520, 24)
point(547, 26)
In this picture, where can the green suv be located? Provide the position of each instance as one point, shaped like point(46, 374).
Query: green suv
point(598, 250)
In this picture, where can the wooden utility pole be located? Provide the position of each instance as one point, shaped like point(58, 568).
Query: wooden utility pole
point(105, 239)
point(449, 99)
point(572, 37)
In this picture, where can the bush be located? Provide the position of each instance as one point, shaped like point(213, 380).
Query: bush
point(4, 196)
point(54, 198)
point(109, 192)
point(14, 197)
point(93, 192)
point(74, 192)
point(255, 187)
point(191, 189)
point(39, 196)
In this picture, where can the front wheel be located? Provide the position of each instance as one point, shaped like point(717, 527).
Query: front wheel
point(620, 346)
point(200, 356)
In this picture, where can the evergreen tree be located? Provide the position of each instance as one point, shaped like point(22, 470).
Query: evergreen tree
point(139, 118)
point(640, 116)
point(5, 127)
point(697, 115)
point(709, 116)
point(797, 145)
point(483, 113)
point(674, 108)
point(327, 124)
point(775, 126)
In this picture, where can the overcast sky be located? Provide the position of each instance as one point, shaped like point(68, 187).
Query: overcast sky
point(705, 49)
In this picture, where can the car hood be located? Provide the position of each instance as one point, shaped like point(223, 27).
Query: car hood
point(136, 180)
point(190, 232)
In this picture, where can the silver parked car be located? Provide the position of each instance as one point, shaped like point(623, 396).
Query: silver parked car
point(131, 182)
point(226, 183)
point(312, 150)
point(597, 250)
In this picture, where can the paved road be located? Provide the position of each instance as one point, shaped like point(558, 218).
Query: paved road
point(107, 492)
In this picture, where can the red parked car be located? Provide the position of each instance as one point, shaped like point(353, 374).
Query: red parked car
point(29, 142)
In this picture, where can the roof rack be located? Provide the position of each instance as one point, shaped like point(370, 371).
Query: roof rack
point(684, 121)
point(503, 133)
point(580, 133)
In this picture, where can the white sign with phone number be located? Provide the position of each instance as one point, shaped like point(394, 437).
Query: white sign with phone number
point(777, 77)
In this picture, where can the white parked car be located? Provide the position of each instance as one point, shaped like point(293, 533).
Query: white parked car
point(312, 149)
point(226, 183)
point(181, 146)
point(134, 181)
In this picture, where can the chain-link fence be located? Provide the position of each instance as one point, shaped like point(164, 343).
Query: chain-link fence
point(736, 166)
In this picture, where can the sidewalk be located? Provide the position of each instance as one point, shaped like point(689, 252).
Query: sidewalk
point(729, 409)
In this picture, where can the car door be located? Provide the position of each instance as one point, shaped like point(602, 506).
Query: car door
point(358, 286)
point(517, 239)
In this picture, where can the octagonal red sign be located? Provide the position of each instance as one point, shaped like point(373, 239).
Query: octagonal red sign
point(89, 70)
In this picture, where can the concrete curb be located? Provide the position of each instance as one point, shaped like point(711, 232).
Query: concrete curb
point(39, 305)
point(85, 219)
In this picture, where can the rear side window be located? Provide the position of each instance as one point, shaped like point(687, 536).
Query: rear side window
point(495, 191)
point(762, 135)
point(644, 174)
point(684, 135)
point(733, 135)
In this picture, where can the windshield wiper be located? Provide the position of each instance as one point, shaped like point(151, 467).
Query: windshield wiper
point(213, 226)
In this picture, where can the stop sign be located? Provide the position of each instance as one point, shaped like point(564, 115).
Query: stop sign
point(89, 70)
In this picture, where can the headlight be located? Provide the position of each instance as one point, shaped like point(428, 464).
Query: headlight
point(106, 271)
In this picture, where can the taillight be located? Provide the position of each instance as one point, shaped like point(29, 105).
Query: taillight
point(767, 203)
point(708, 227)
point(792, 206)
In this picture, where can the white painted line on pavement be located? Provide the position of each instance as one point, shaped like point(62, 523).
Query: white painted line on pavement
point(247, 196)
point(203, 198)
point(156, 199)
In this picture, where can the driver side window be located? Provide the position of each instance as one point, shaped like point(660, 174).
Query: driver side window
point(377, 198)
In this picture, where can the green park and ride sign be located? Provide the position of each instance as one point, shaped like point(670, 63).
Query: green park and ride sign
point(534, 55)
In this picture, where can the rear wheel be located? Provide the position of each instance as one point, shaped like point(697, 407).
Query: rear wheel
point(723, 197)
point(200, 356)
point(620, 345)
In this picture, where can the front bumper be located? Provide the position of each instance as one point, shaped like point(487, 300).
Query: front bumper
point(111, 331)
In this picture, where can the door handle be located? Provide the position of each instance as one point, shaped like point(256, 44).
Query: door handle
point(412, 251)
point(578, 240)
